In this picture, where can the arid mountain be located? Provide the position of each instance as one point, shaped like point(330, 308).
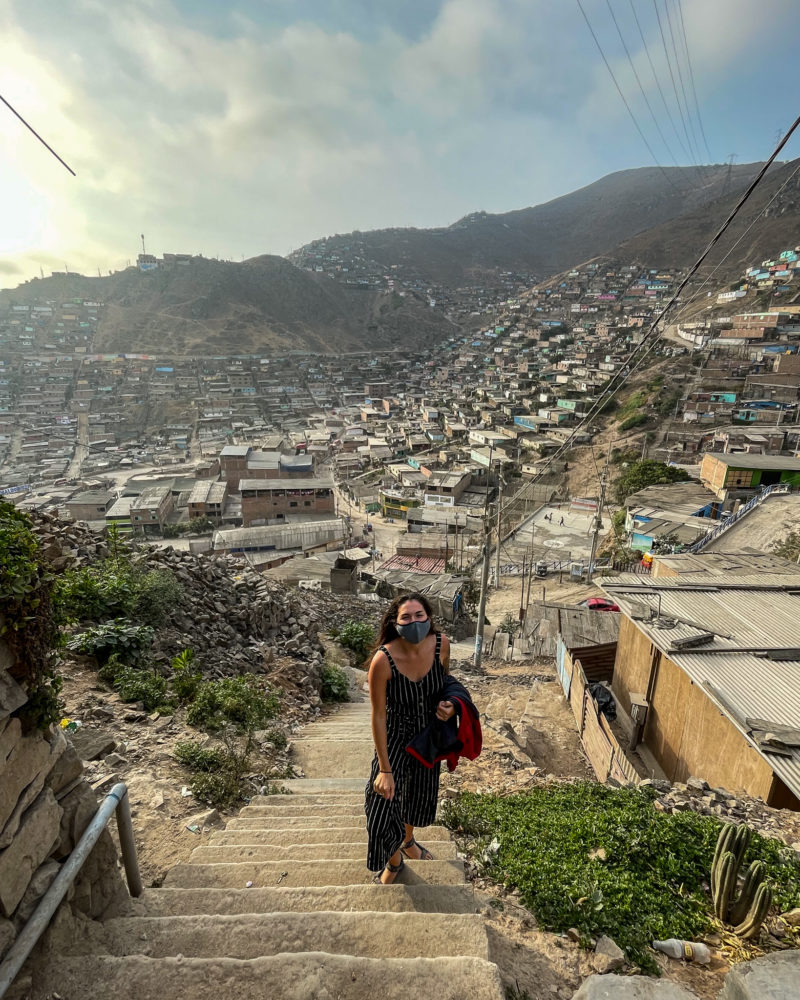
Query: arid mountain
point(264, 304)
point(542, 240)
point(768, 223)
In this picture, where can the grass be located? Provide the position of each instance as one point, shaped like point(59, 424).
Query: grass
point(605, 861)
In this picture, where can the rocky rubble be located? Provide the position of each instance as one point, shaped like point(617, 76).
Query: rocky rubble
point(697, 795)
point(232, 618)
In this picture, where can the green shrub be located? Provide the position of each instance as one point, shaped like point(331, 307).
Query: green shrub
point(237, 701)
point(509, 624)
point(116, 589)
point(220, 790)
point(606, 862)
point(197, 758)
point(156, 594)
point(358, 636)
point(335, 685)
point(119, 637)
point(185, 681)
point(145, 686)
point(635, 420)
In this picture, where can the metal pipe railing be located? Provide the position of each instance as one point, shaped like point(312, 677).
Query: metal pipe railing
point(115, 802)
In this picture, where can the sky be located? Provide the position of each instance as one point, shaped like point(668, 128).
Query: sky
point(244, 127)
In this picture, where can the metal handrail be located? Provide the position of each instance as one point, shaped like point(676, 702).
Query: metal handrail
point(732, 519)
point(115, 802)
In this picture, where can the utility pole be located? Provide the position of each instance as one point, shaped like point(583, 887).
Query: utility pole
point(487, 555)
point(598, 523)
point(497, 553)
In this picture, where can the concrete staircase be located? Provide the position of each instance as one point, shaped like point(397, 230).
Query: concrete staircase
point(279, 906)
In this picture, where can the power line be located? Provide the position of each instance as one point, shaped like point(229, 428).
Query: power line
point(691, 78)
point(680, 78)
point(641, 88)
point(624, 100)
point(41, 140)
point(658, 83)
point(672, 78)
point(652, 336)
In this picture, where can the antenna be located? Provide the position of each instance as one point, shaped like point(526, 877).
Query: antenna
point(727, 184)
point(143, 249)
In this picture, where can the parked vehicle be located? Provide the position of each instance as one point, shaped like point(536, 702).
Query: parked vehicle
point(541, 569)
point(599, 604)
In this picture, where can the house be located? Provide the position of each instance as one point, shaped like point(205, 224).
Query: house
point(150, 510)
point(681, 511)
point(207, 499)
point(716, 662)
point(266, 499)
point(90, 505)
point(729, 475)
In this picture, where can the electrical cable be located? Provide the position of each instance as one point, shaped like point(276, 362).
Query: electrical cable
point(41, 140)
point(691, 78)
point(641, 88)
point(725, 256)
point(658, 82)
point(652, 336)
point(680, 79)
point(624, 99)
point(672, 78)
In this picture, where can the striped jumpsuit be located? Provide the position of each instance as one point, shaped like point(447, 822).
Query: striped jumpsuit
point(410, 706)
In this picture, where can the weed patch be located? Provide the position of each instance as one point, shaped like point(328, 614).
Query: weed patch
point(604, 861)
point(238, 701)
point(358, 636)
point(334, 684)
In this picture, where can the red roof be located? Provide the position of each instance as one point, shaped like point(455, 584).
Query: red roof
point(420, 564)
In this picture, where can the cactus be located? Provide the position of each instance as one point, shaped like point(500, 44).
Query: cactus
point(752, 880)
point(741, 841)
point(751, 925)
point(725, 884)
point(723, 845)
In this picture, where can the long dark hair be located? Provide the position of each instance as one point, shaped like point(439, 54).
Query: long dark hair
point(388, 630)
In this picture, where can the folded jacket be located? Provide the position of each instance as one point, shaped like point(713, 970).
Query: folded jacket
point(459, 736)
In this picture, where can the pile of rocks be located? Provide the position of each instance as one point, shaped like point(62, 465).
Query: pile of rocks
point(233, 619)
point(697, 795)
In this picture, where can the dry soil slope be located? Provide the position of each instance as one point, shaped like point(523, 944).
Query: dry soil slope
point(550, 237)
point(264, 304)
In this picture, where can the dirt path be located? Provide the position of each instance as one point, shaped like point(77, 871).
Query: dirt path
point(768, 523)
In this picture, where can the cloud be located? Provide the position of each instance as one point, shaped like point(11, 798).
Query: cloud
point(253, 128)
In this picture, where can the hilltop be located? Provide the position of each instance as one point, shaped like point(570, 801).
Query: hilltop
point(541, 240)
point(261, 305)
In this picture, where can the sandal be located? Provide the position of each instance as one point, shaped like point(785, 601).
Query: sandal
point(394, 869)
point(424, 855)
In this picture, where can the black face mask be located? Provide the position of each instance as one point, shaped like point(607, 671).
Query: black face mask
point(414, 631)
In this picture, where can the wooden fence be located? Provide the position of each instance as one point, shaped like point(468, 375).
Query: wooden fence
point(604, 751)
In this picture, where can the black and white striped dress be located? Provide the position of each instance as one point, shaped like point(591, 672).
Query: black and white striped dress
point(410, 705)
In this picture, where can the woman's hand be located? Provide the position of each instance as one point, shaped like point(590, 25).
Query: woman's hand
point(384, 785)
point(445, 710)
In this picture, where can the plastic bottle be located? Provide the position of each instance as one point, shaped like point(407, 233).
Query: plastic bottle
point(691, 951)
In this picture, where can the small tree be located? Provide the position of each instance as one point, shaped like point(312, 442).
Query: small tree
point(646, 473)
point(788, 547)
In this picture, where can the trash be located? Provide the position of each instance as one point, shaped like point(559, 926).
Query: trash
point(605, 700)
point(194, 828)
point(185, 792)
point(248, 885)
point(691, 951)
point(70, 725)
point(283, 876)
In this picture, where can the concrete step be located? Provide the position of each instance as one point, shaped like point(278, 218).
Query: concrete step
point(257, 808)
point(278, 977)
point(236, 853)
point(324, 799)
point(251, 935)
point(305, 873)
point(297, 835)
point(395, 898)
point(268, 821)
point(302, 786)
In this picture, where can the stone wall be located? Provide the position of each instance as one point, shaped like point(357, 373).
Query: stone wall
point(45, 805)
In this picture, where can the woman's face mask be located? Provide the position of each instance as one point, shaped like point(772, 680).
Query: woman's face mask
point(414, 631)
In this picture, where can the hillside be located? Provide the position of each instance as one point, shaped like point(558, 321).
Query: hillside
point(541, 240)
point(264, 304)
point(677, 242)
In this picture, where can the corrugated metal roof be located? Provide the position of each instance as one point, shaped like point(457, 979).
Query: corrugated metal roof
point(420, 564)
point(747, 616)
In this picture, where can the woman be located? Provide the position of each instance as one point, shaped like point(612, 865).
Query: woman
point(406, 672)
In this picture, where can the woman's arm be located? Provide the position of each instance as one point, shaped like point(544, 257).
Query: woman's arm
point(444, 654)
point(378, 677)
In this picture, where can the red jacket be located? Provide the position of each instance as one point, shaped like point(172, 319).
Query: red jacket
point(459, 736)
